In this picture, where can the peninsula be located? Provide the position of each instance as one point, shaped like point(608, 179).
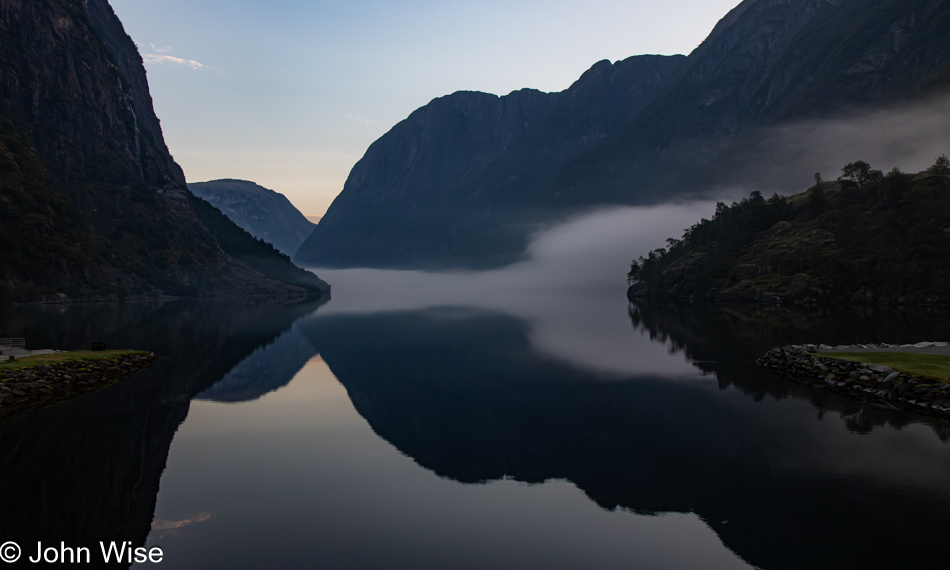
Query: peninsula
point(865, 238)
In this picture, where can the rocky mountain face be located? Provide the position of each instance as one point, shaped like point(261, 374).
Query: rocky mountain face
point(92, 203)
point(265, 214)
point(643, 130)
point(455, 177)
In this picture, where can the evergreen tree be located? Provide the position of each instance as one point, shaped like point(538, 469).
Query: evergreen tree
point(941, 166)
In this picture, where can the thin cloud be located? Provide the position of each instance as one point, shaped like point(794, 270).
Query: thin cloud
point(362, 120)
point(162, 59)
point(162, 49)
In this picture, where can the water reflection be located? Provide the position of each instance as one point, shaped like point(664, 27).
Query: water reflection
point(726, 339)
point(298, 479)
point(464, 394)
point(267, 369)
point(89, 470)
point(679, 426)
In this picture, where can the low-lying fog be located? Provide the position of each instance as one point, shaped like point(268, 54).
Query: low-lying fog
point(571, 290)
point(785, 157)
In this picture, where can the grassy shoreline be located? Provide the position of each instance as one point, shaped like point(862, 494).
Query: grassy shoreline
point(60, 357)
point(932, 366)
point(44, 380)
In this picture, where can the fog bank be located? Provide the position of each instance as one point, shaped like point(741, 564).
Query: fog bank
point(570, 290)
point(785, 158)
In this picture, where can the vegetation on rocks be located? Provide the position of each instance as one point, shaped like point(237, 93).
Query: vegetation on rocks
point(867, 237)
point(68, 356)
point(934, 366)
point(42, 381)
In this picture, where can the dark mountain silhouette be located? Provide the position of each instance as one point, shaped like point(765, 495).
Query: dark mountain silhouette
point(263, 213)
point(643, 130)
point(453, 180)
point(92, 202)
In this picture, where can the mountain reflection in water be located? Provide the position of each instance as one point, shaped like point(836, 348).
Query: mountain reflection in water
point(656, 414)
point(89, 470)
point(464, 395)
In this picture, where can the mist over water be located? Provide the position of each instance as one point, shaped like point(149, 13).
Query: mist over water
point(784, 158)
point(570, 290)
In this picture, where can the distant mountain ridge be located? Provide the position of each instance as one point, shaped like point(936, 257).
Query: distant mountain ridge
point(264, 213)
point(92, 203)
point(643, 130)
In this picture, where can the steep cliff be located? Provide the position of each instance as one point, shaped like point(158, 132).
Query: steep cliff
point(767, 63)
point(92, 202)
point(453, 179)
point(265, 214)
point(685, 128)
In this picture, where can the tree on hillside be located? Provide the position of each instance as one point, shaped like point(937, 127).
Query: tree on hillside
point(941, 166)
point(894, 185)
point(861, 173)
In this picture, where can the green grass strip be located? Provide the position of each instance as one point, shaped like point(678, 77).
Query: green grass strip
point(70, 356)
point(933, 366)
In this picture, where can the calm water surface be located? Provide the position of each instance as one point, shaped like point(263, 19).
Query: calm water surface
point(471, 421)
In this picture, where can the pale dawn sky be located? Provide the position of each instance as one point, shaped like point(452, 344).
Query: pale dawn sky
point(290, 93)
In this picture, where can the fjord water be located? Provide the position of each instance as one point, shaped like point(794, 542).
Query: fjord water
point(522, 418)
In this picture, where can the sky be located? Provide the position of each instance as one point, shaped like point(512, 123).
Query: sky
point(290, 93)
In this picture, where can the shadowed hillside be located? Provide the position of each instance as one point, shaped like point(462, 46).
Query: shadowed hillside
point(867, 238)
point(92, 202)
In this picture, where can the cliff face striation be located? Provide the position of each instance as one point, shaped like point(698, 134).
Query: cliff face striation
point(265, 214)
point(454, 180)
point(92, 202)
point(463, 180)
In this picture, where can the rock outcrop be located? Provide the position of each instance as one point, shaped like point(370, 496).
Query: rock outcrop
point(860, 381)
point(28, 389)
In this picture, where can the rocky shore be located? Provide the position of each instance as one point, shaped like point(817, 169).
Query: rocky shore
point(28, 389)
point(861, 381)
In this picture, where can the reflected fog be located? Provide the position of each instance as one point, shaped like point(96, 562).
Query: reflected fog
point(570, 291)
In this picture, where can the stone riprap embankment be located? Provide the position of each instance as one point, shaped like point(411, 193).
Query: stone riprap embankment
point(861, 381)
point(28, 389)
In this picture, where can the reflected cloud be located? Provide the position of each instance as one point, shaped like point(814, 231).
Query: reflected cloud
point(173, 528)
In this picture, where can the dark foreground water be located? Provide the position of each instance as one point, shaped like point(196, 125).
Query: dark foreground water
point(510, 432)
